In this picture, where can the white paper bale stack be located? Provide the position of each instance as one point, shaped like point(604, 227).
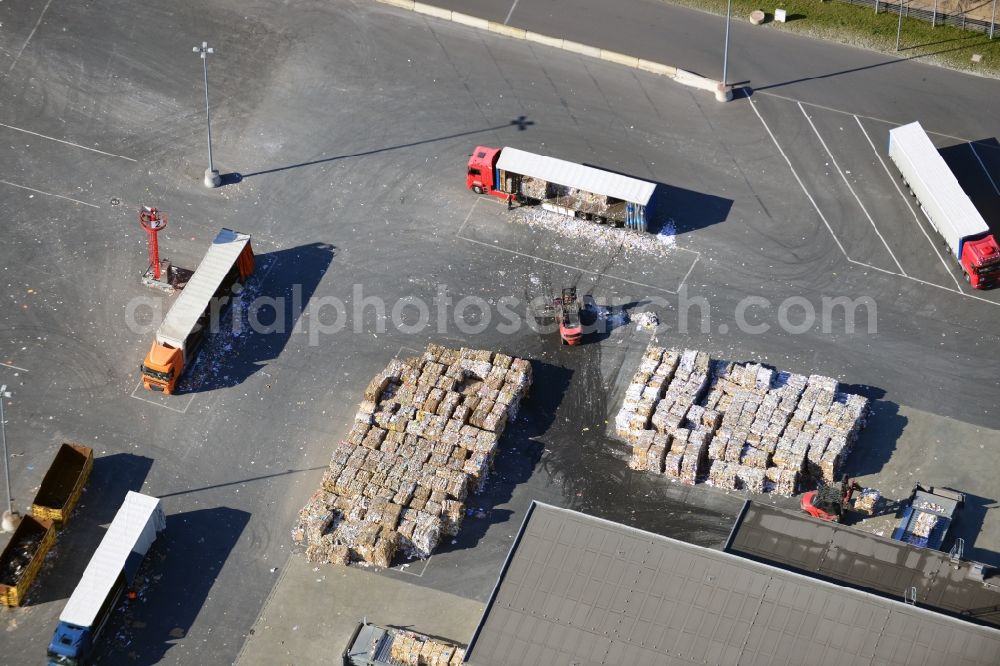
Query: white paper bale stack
point(768, 430)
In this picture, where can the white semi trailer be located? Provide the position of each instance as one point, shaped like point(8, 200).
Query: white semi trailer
point(107, 577)
point(946, 205)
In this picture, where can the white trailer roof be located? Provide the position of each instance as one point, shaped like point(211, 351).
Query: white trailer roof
point(939, 180)
point(133, 529)
point(190, 305)
point(570, 174)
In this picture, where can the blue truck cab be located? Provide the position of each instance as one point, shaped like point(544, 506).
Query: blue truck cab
point(69, 644)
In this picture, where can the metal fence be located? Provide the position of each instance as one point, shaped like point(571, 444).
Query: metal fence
point(930, 15)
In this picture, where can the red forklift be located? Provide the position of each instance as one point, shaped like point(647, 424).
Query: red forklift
point(568, 315)
point(829, 503)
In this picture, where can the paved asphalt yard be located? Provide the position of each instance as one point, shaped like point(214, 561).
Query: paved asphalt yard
point(342, 130)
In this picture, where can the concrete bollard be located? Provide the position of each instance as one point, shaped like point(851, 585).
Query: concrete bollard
point(11, 519)
point(212, 178)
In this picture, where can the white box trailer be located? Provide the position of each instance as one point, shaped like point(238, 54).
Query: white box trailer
point(945, 203)
point(109, 574)
point(229, 261)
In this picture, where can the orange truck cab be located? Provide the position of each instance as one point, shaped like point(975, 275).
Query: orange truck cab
point(228, 263)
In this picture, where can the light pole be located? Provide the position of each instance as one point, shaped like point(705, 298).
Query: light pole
point(899, 26)
point(993, 18)
point(723, 94)
point(212, 178)
point(10, 517)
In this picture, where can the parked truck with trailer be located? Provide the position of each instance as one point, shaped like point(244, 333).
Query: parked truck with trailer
point(563, 187)
point(63, 483)
point(946, 205)
point(228, 262)
point(109, 575)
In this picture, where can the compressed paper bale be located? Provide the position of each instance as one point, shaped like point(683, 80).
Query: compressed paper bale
point(752, 457)
point(648, 364)
point(686, 364)
point(373, 438)
point(924, 524)
point(694, 416)
point(374, 389)
point(637, 460)
point(679, 440)
point(751, 478)
point(868, 501)
point(655, 459)
point(722, 475)
point(734, 451)
point(354, 438)
point(660, 419)
point(710, 420)
point(672, 464)
point(384, 549)
point(695, 458)
point(763, 379)
point(832, 461)
point(425, 538)
point(717, 448)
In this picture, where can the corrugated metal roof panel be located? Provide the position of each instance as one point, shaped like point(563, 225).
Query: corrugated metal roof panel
point(864, 560)
point(195, 296)
point(665, 602)
point(133, 529)
point(570, 174)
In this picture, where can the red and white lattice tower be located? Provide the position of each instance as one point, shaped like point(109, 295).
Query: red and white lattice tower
point(153, 221)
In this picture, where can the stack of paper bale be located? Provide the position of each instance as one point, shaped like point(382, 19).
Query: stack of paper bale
point(425, 435)
point(412, 649)
point(745, 426)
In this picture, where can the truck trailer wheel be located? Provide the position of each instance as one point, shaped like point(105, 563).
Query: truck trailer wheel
point(477, 189)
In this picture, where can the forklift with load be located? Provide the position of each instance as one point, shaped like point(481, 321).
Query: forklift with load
point(830, 502)
point(570, 326)
point(546, 310)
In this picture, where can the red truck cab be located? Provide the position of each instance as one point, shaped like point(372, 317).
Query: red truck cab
point(481, 176)
point(981, 261)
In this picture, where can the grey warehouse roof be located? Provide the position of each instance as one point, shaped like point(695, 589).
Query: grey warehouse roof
point(570, 174)
point(867, 561)
point(585, 591)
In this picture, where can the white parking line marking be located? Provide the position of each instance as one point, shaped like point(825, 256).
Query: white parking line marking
point(68, 143)
point(823, 217)
point(972, 147)
point(50, 194)
point(801, 184)
point(30, 35)
point(696, 254)
point(906, 200)
point(846, 182)
point(138, 388)
point(14, 367)
point(511, 12)
point(400, 568)
point(848, 113)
